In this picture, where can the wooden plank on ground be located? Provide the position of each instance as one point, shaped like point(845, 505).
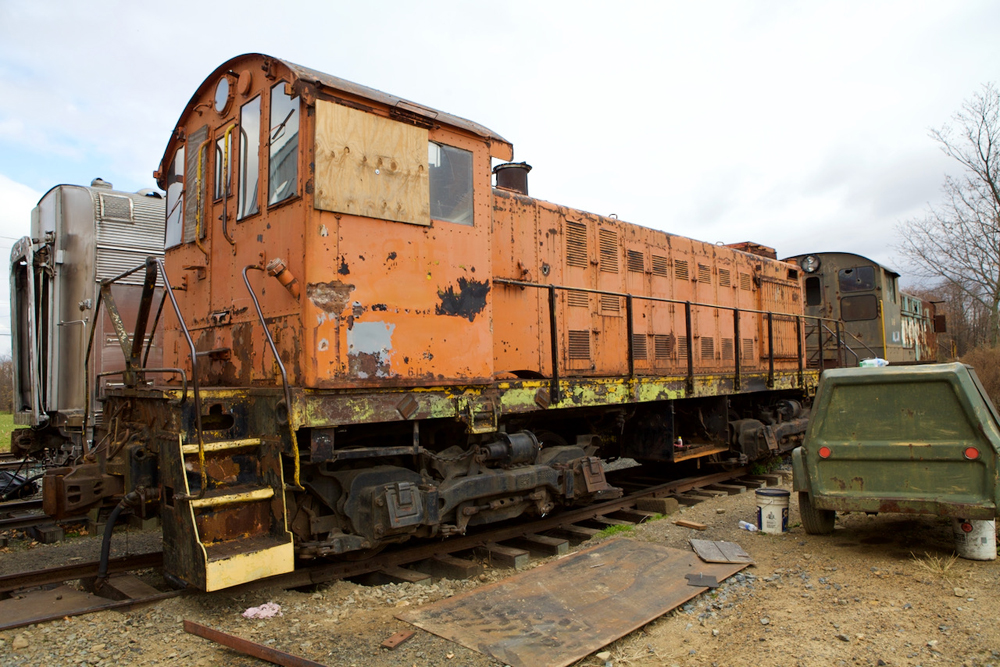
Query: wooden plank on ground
point(549, 546)
point(564, 610)
point(397, 639)
point(684, 523)
point(720, 552)
point(731, 489)
point(501, 555)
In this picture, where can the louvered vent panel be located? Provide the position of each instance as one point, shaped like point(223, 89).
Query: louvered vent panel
point(639, 347)
point(116, 207)
point(578, 299)
point(724, 279)
point(143, 232)
point(745, 281)
point(681, 269)
point(576, 244)
point(663, 346)
point(727, 349)
point(579, 344)
point(611, 304)
point(704, 273)
point(661, 265)
point(707, 349)
point(682, 347)
point(609, 251)
point(636, 261)
point(747, 349)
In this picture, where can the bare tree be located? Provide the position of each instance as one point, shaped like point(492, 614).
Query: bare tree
point(6, 384)
point(957, 245)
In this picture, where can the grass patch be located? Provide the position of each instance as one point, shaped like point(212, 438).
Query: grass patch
point(935, 565)
point(615, 530)
point(6, 426)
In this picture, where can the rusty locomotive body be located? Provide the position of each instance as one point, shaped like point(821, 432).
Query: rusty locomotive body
point(365, 340)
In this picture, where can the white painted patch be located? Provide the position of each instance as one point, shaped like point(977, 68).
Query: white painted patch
point(323, 231)
point(374, 338)
point(324, 345)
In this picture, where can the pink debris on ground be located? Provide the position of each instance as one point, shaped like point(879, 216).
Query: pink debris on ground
point(266, 610)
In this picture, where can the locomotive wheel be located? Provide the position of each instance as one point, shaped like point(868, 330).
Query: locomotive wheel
point(815, 521)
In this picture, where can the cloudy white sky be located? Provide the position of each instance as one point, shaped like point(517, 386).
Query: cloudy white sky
point(802, 126)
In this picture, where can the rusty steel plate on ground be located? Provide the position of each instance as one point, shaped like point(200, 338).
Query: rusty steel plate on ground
point(720, 552)
point(564, 610)
point(37, 606)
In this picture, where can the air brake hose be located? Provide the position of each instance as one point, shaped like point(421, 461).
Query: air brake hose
point(132, 499)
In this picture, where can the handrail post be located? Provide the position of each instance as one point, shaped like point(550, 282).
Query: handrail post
point(841, 357)
point(629, 332)
point(281, 368)
point(736, 347)
point(770, 349)
point(690, 348)
point(801, 349)
point(554, 341)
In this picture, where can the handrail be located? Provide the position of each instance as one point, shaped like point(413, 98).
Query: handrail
point(281, 367)
point(798, 318)
point(131, 365)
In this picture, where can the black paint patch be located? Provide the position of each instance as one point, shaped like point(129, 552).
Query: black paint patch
point(379, 306)
point(344, 269)
point(392, 256)
point(361, 257)
point(468, 302)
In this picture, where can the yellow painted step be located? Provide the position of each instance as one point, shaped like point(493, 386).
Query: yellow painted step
point(222, 445)
point(250, 496)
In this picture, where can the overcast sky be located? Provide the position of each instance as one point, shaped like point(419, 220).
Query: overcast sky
point(802, 126)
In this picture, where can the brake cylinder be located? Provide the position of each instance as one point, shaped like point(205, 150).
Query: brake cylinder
point(512, 448)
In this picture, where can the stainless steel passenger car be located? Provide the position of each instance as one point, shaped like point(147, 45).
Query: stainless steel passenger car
point(79, 236)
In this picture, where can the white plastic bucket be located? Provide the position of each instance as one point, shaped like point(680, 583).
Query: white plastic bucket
point(975, 539)
point(772, 510)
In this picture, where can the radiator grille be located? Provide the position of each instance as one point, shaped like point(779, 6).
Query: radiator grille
point(639, 347)
point(636, 261)
point(609, 251)
point(681, 269)
point(576, 244)
point(578, 299)
point(579, 344)
point(707, 349)
point(745, 281)
point(747, 349)
point(682, 347)
point(724, 279)
point(117, 208)
point(727, 349)
point(611, 304)
point(661, 265)
point(663, 346)
point(704, 273)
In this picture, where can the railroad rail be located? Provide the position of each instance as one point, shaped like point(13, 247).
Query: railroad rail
point(546, 535)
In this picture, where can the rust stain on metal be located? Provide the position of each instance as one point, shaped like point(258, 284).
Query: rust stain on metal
point(331, 297)
point(468, 302)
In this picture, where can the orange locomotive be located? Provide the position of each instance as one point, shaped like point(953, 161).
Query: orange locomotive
point(370, 342)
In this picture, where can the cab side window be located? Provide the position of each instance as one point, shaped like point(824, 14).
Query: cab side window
point(450, 173)
point(175, 201)
point(248, 201)
point(283, 146)
point(857, 279)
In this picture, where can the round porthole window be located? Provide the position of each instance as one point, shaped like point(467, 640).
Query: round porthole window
point(223, 95)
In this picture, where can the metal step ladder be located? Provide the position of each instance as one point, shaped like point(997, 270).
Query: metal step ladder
point(238, 518)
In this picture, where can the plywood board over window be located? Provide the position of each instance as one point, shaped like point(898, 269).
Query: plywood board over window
point(370, 166)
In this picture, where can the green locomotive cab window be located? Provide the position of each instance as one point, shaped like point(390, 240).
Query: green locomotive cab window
point(450, 176)
point(247, 203)
point(174, 232)
point(857, 308)
point(283, 146)
point(857, 279)
point(814, 291)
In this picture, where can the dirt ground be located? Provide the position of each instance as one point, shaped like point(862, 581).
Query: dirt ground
point(881, 590)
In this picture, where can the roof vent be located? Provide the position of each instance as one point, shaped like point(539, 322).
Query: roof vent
point(101, 183)
point(513, 176)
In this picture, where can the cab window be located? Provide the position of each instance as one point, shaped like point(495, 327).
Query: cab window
point(814, 291)
point(857, 279)
point(283, 146)
point(247, 203)
point(450, 176)
point(175, 200)
point(857, 308)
